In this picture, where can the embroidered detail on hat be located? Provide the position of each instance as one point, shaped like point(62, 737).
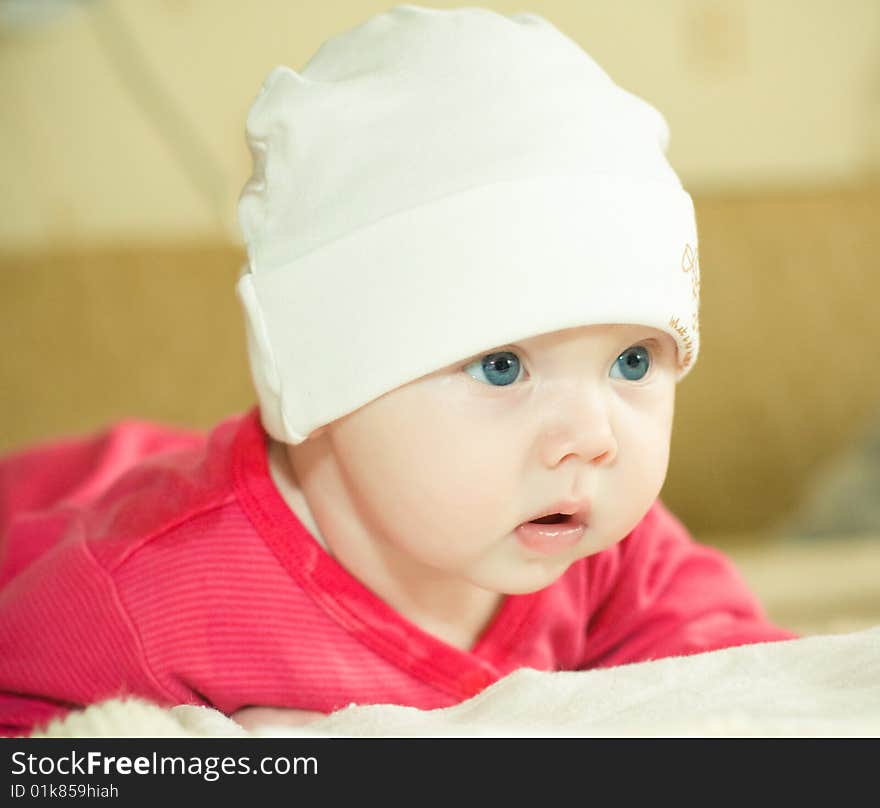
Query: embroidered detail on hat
point(682, 331)
point(690, 262)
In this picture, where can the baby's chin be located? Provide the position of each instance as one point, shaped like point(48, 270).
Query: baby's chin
point(531, 576)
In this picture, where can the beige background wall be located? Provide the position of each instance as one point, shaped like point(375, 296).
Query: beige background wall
point(122, 154)
point(124, 120)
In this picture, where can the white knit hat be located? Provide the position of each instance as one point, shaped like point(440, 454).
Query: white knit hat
point(436, 183)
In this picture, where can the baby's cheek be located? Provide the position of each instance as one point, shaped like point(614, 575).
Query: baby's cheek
point(472, 473)
point(650, 464)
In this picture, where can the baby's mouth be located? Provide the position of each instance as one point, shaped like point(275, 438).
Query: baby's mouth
point(552, 519)
point(569, 514)
point(555, 532)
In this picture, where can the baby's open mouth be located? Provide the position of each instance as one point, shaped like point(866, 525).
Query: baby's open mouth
point(552, 519)
point(570, 515)
point(554, 533)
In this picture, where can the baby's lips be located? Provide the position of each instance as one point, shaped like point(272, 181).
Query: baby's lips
point(578, 512)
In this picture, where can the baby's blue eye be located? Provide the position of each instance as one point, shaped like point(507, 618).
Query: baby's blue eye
point(633, 364)
point(498, 369)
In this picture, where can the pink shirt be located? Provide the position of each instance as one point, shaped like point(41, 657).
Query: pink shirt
point(164, 563)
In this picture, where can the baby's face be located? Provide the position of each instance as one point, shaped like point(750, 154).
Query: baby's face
point(433, 478)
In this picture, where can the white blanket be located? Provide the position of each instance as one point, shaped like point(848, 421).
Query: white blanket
point(815, 686)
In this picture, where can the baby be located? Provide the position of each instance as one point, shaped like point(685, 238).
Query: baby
point(472, 287)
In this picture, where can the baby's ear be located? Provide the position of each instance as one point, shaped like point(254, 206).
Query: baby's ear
point(316, 433)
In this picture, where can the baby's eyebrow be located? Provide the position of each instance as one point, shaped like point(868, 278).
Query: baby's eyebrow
point(498, 349)
point(642, 337)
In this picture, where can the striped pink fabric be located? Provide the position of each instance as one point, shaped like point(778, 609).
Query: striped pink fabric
point(163, 563)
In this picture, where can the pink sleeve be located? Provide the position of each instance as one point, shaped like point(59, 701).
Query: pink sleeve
point(41, 486)
point(75, 470)
point(65, 641)
point(659, 594)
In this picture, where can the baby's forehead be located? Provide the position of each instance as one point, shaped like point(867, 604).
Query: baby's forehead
point(590, 339)
point(592, 335)
point(582, 339)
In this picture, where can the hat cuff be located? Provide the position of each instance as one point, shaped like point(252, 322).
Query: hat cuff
point(497, 263)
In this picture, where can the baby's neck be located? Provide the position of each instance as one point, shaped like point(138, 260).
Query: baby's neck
point(463, 630)
point(285, 481)
point(456, 614)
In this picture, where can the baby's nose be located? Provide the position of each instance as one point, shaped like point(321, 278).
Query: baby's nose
point(582, 426)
